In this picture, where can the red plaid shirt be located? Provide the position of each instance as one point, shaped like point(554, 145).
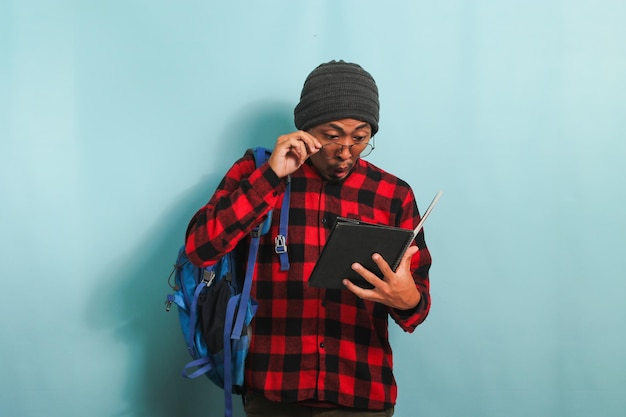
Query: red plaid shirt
point(309, 344)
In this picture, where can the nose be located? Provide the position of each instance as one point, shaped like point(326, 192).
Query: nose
point(344, 153)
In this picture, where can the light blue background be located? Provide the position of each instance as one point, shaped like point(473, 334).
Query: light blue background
point(118, 118)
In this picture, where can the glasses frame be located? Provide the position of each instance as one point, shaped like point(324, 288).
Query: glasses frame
point(369, 145)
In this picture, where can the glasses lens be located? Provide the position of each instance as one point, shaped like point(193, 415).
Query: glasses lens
point(366, 150)
point(331, 150)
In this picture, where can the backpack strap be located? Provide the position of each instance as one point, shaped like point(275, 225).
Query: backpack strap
point(234, 305)
point(261, 155)
point(280, 242)
point(239, 305)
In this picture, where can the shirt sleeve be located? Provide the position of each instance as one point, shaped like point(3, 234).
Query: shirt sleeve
point(241, 201)
point(408, 320)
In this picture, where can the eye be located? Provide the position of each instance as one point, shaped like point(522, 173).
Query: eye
point(331, 136)
point(359, 139)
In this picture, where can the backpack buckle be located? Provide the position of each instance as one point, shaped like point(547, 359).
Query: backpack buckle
point(208, 277)
point(280, 244)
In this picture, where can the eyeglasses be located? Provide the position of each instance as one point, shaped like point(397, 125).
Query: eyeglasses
point(332, 149)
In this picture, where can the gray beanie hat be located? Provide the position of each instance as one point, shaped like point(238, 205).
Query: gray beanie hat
point(337, 90)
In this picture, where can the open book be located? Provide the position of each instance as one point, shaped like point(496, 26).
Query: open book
point(356, 241)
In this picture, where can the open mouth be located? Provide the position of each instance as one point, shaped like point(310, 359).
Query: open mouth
point(340, 172)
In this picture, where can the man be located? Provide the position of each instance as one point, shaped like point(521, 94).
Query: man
point(319, 351)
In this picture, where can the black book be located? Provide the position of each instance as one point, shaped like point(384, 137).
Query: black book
point(356, 241)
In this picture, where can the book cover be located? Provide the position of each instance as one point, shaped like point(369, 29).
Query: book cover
point(356, 241)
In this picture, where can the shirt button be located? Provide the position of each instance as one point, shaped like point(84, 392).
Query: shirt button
point(323, 220)
point(322, 345)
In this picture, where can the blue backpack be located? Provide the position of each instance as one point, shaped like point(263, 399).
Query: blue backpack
point(215, 307)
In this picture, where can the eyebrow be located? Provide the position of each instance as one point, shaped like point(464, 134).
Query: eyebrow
point(361, 126)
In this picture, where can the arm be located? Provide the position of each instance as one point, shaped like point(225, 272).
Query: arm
point(407, 291)
point(245, 195)
point(243, 198)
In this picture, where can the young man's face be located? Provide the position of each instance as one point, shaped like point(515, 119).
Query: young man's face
point(343, 142)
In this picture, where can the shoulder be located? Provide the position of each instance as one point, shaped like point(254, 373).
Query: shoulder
point(245, 164)
point(239, 170)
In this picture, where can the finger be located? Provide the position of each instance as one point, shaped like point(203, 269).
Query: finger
point(288, 143)
point(353, 287)
point(365, 294)
point(294, 146)
point(408, 255)
point(368, 275)
point(287, 156)
point(298, 147)
point(311, 144)
point(382, 264)
point(303, 144)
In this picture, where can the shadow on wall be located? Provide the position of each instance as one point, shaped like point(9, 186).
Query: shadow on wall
point(130, 299)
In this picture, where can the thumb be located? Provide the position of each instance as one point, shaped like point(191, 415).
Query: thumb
point(406, 259)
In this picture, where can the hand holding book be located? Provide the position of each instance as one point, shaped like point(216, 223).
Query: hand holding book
point(397, 288)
